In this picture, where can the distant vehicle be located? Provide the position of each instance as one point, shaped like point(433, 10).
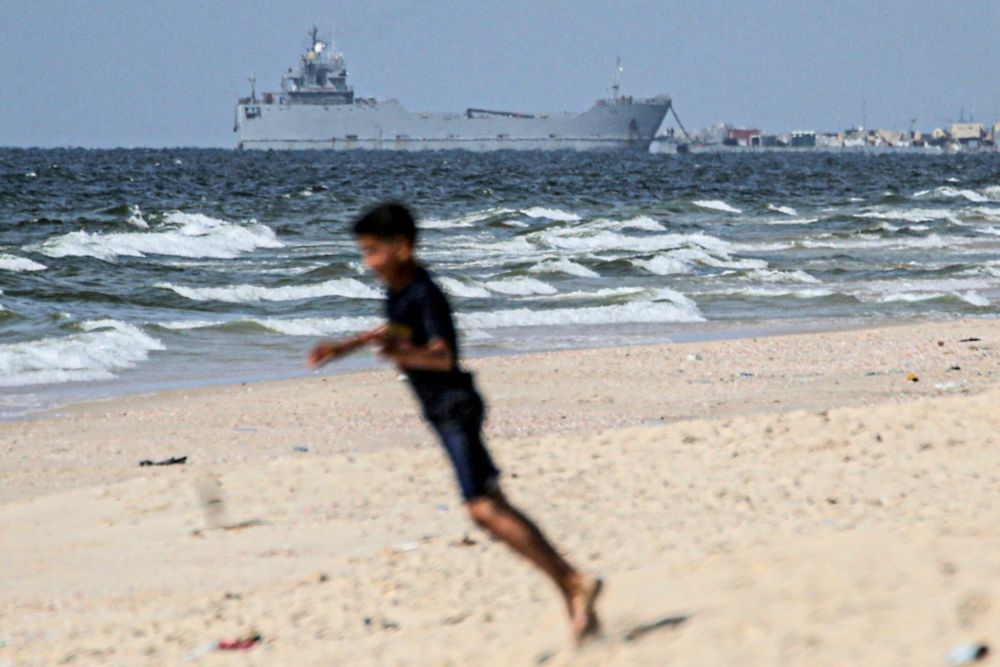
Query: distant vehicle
point(317, 109)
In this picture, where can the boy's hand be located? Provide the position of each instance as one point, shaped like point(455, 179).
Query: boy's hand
point(327, 351)
point(324, 353)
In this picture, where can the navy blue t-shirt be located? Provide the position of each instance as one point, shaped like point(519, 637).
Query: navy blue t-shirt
point(420, 313)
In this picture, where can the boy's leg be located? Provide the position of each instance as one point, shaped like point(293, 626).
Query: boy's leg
point(494, 514)
point(477, 478)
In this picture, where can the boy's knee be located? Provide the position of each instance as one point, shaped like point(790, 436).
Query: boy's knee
point(483, 511)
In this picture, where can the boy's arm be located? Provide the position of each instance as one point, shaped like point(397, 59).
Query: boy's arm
point(436, 355)
point(327, 351)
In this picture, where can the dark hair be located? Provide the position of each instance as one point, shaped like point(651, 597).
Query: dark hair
point(389, 220)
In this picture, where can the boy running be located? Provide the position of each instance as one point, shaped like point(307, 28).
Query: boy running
point(420, 339)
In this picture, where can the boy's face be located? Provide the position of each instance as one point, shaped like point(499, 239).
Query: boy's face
point(385, 257)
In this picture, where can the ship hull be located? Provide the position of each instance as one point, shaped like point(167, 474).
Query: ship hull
point(617, 125)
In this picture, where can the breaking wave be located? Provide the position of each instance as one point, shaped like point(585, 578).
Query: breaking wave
point(634, 312)
point(348, 288)
point(567, 266)
point(784, 210)
point(18, 264)
point(103, 346)
point(179, 234)
point(716, 205)
point(551, 214)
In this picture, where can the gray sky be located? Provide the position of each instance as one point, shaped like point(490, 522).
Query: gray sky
point(167, 73)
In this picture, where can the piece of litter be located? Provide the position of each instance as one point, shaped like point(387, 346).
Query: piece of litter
point(912, 377)
point(942, 386)
point(746, 375)
point(173, 461)
point(409, 546)
point(969, 340)
point(300, 449)
point(967, 652)
point(694, 357)
point(466, 541)
point(243, 644)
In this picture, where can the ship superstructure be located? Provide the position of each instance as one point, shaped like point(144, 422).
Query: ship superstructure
point(316, 108)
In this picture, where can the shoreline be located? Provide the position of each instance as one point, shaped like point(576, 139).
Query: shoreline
point(796, 494)
point(69, 395)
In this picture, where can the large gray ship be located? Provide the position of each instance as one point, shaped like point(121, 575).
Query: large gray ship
point(317, 109)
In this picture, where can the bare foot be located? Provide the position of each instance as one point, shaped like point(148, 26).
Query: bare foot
point(582, 615)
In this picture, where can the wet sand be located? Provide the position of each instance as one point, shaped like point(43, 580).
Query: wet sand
point(780, 500)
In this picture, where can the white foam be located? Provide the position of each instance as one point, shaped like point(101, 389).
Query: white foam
point(789, 221)
point(716, 205)
point(948, 192)
point(550, 214)
point(640, 222)
point(972, 298)
point(663, 265)
point(184, 325)
point(466, 220)
point(992, 192)
point(784, 210)
point(103, 347)
point(910, 214)
point(520, 287)
point(762, 246)
point(638, 312)
point(986, 211)
point(988, 269)
point(458, 288)
point(135, 218)
point(868, 241)
point(975, 299)
point(566, 266)
point(776, 276)
point(724, 261)
point(180, 234)
point(773, 292)
point(910, 291)
point(343, 287)
point(610, 292)
point(18, 264)
point(318, 326)
point(572, 240)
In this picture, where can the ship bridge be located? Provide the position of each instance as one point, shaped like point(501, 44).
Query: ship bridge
point(321, 79)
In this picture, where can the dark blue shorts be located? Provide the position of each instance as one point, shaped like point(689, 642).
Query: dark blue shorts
point(457, 417)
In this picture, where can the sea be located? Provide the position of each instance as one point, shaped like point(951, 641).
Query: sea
point(131, 271)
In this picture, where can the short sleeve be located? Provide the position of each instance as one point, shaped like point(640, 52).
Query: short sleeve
point(436, 317)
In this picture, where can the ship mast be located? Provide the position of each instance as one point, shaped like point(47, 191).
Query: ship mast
point(616, 84)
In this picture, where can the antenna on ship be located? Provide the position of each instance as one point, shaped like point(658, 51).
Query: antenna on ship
point(253, 87)
point(616, 84)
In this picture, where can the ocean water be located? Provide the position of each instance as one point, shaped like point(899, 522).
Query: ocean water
point(132, 270)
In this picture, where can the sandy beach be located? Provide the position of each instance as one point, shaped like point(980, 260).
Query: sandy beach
point(813, 499)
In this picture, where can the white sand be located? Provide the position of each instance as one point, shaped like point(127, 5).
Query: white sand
point(796, 498)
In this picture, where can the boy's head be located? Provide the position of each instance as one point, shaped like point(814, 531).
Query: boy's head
point(386, 235)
